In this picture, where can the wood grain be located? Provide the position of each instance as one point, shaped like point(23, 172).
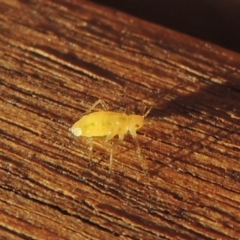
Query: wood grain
point(57, 59)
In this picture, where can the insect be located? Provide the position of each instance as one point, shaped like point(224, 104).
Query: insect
point(108, 124)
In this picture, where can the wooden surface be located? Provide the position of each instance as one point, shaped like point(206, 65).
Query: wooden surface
point(217, 22)
point(57, 59)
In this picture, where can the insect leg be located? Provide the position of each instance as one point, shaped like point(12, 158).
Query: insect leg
point(90, 142)
point(109, 137)
point(111, 159)
point(114, 144)
point(139, 153)
point(99, 101)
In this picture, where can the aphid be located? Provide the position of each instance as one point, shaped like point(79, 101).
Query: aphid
point(108, 124)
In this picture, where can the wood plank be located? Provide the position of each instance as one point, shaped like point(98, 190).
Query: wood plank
point(57, 59)
point(217, 22)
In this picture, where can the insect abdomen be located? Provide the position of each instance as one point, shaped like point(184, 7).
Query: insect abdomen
point(102, 124)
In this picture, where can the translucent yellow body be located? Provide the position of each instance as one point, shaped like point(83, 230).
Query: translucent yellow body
point(107, 123)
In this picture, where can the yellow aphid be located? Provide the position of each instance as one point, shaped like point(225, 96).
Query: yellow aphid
point(108, 124)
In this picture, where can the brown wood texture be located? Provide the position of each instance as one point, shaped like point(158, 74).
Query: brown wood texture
point(57, 59)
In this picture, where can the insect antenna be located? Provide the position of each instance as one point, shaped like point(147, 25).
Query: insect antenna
point(161, 97)
point(148, 111)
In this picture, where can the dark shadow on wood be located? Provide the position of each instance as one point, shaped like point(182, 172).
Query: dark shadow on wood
point(216, 21)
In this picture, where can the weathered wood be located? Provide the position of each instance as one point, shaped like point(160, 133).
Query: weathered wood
point(57, 58)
